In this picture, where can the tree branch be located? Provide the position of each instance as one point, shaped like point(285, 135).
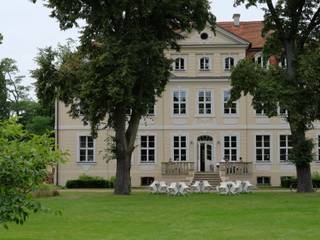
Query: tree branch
point(275, 18)
point(313, 23)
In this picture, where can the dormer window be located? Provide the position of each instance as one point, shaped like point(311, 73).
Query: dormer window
point(283, 62)
point(228, 63)
point(205, 63)
point(179, 64)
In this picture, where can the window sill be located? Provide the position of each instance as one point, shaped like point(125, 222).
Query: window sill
point(204, 116)
point(263, 162)
point(204, 70)
point(86, 163)
point(147, 163)
point(180, 70)
point(230, 115)
point(179, 116)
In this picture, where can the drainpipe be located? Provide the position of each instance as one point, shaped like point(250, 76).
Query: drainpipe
point(57, 137)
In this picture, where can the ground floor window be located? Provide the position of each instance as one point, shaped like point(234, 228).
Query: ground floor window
point(86, 149)
point(180, 148)
point(263, 148)
point(263, 180)
point(318, 147)
point(147, 149)
point(146, 181)
point(285, 146)
point(230, 148)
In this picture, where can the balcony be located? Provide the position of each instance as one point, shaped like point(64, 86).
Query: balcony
point(177, 168)
point(236, 169)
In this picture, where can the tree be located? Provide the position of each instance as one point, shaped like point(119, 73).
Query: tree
point(22, 171)
point(120, 67)
point(292, 32)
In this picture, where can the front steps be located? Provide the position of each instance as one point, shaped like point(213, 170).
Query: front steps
point(212, 178)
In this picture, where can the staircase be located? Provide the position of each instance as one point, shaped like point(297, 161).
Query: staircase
point(212, 178)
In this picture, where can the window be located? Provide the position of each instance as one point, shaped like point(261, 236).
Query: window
point(179, 64)
point(151, 111)
point(318, 147)
point(204, 102)
point(230, 148)
point(260, 111)
point(205, 63)
point(86, 149)
point(179, 102)
point(263, 148)
point(147, 148)
point(226, 109)
point(147, 181)
point(228, 63)
point(282, 112)
point(204, 36)
point(180, 148)
point(261, 60)
point(283, 62)
point(285, 146)
point(263, 181)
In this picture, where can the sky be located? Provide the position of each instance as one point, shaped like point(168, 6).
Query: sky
point(26, 27)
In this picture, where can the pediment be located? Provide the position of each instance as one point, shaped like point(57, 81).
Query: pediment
point(220, 37)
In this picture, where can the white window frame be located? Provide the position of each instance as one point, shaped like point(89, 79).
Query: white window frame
point(287, 148)
point(229, 63)
point(179, 66)
point(262, 64)
point(186, 148)
point(263, 180)
point(79, 148)
point(318, 148)
point(206, 65)
point(285, 114)
point(179, 102)
point(262, 113)
point(147, 148)
point(237, 148)
point(263, 148)
point(154, 111)
point(205, 102)
point(223, 106)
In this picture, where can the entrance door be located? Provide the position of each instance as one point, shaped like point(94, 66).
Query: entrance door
point(205, 153)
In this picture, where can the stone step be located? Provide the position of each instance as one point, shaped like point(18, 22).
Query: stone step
point(212, 178)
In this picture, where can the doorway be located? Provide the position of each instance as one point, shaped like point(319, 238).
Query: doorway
point(205, 153)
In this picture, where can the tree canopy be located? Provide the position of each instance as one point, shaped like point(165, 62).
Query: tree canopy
point(292, 36)
point(120, 67)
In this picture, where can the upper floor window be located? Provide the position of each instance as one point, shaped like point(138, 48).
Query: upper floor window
point(282, 112)
point(260, 111)
point(204, 102)
point(86, 149)
point(261, 60)
point(179, 102)
point(147, 149)
point(151, 111)
point(263, 148)
point(179, 148)
point(228, 63)
point(318, 147)
point(205, 63)
point(228, 110)
point(283, 62)
point(179, 64)
point(285, 146)
point(230, 148)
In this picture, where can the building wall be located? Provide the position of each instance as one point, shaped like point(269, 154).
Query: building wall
point(164, 125)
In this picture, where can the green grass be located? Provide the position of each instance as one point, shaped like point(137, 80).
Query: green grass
point(97, 216)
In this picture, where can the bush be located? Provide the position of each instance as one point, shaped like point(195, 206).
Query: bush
point(287, 181)
point(85, 181)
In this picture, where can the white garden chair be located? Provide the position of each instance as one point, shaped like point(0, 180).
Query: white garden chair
point(196, 186)
point(206, 187)
point(222, 188)
point(163, 188)
point(247, 187)
point(184, 188)
point(238, 187)
point(154, 187)
point(172, 189)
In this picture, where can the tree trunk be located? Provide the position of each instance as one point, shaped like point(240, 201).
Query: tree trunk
point(304, 178)
point(125, 139)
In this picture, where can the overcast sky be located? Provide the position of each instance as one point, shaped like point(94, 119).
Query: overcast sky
point(27, 27)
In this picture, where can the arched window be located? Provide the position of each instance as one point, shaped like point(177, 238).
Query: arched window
point(205, 63)
point(228, 63)
point(179, 64)
point(260, 60)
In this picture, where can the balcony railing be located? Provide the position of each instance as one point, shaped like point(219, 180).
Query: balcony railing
point(177, 168)
point(236, 168)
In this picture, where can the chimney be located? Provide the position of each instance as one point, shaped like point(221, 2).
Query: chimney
point(236, 19)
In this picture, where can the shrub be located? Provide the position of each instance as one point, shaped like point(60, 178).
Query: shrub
point(85, 181)
point(287, 181)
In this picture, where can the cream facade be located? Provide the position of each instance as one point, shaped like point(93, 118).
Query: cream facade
point(191, 130)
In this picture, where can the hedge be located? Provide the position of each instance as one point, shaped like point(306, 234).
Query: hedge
point(286, 183)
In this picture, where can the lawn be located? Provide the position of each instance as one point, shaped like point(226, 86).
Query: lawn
point(98, 216)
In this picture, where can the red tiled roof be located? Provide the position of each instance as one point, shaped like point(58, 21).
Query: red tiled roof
point(250, 31)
